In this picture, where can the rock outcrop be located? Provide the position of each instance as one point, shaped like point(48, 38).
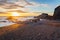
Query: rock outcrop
point(56, 15)
point(43, 16)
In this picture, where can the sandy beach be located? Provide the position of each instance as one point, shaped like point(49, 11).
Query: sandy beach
point(34, 31)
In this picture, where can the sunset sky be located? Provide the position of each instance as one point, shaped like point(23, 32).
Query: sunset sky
point(43, 6)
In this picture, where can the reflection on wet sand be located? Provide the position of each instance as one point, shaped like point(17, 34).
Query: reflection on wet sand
point(10, 28)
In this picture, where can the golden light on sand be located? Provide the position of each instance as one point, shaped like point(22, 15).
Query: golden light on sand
point(15, 14)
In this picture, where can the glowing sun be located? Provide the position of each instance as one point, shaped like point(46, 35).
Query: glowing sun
point(15, 14)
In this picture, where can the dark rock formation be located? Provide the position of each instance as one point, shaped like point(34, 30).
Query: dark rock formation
point(56, 15)
point(43, 16)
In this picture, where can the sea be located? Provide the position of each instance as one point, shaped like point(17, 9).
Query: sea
point(5, 22)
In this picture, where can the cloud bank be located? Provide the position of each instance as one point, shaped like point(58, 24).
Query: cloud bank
point(19, 5)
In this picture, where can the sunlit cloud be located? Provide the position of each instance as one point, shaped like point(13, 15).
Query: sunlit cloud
point(21, 5)
point(38, 7)
point(34, 4)
point(16, 5)
point(2, 10)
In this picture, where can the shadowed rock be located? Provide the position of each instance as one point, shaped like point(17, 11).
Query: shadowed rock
point(43, 16)
point(57, 13)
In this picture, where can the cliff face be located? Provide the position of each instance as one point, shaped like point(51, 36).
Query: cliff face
point(57, 13)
